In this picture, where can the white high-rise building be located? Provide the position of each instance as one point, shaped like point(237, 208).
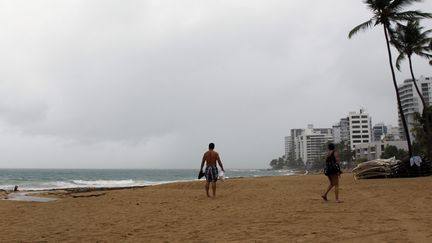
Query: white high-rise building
point(337, 133)
point(287, 146)
point(345, 129)
point(309, 144)
point(379, 131)
point(341, 131)
point(374, 150)
point(360, 126)
point(393, 133)
point(411, 102)
point(295, 144)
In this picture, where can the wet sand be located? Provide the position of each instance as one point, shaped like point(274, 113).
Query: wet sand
point(274, 209)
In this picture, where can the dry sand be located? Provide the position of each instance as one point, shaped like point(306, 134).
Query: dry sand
point(270, 209)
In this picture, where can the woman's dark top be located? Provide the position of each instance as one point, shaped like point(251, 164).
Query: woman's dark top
point(332, 167)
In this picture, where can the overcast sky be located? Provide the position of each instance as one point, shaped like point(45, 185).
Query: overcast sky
point(148, 84)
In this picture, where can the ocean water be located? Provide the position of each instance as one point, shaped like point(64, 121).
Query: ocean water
point(46, 179)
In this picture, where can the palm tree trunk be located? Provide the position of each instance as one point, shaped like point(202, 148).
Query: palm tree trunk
point(397, 93)
point(415, 83)
point(426, 115)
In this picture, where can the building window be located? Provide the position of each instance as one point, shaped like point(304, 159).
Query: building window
point(365, 136)
point(356, 126)
point(364, 121)
point(356, 141)
point(356, 131)
point(355, 121)
point(365, 126)
point(365, 141)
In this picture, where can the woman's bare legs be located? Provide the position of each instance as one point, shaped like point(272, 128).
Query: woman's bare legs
point(335, 182)
point(324, 196)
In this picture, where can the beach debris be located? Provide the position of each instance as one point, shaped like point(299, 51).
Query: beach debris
point(89, 195)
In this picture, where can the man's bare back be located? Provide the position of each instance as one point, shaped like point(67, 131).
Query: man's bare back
point(211, 157)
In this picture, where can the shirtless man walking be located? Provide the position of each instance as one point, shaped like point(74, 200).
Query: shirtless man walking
point(211, 170)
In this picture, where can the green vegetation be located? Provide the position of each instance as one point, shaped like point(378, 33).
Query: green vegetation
point(290, 163)
point(392, 151)
point(423, 133)
point(345, 152)
point(387, 13)
point(278, 164)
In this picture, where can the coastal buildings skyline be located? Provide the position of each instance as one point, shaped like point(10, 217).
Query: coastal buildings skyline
point(355, 130)
point(366, 140)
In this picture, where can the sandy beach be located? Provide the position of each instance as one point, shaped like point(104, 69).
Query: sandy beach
point(269, 209)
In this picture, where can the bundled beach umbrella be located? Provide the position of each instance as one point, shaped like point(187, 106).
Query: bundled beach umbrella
point(392, 168)
point(379, 168)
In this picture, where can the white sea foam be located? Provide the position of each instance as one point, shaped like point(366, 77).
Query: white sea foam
point(104, 183)
point(243, 170)
point(7, 187)
point(86, 184)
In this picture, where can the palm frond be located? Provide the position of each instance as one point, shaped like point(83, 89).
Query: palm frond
point(373, 5)
point(424, 55)
point(399, 59)
point(361, 27)
point(410, 15)
point(398, 5)
point(427, 32)
point(409, 39)
point(393, 33)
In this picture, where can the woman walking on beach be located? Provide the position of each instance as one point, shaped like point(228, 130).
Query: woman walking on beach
point(332, 171)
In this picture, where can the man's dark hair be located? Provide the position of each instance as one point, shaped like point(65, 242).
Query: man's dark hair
point(211, 146)
point(331, 146)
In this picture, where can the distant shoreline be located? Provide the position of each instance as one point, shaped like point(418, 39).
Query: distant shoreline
point(65, 191)
point(46, 180)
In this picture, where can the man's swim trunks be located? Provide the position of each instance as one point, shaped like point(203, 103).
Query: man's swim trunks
point(211, 173)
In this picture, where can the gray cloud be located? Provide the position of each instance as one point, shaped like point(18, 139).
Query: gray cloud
point(151, 83)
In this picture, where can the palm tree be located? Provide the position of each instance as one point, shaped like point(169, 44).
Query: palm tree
point(386, 13)
point(409, 39)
